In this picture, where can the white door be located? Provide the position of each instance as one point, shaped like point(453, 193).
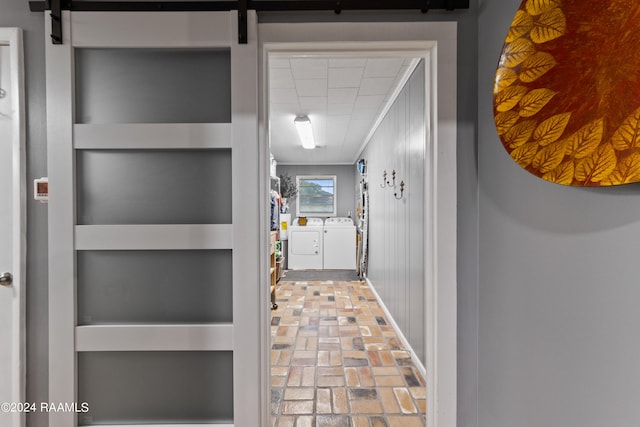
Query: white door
point(12, 231)
point(154, 239)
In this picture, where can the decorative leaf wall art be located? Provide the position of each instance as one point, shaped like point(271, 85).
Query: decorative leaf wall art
point(566, 95)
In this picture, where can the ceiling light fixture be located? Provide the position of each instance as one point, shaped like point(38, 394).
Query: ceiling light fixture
point(303, 126)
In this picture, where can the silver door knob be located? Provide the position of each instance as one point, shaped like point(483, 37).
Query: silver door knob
point(6, 279)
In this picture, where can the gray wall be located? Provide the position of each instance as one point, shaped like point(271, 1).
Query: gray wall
point(558, 283)
point(345, 188)
point(396, 227)
point(16, 13)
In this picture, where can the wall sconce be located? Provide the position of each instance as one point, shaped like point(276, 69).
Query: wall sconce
point(401, 191)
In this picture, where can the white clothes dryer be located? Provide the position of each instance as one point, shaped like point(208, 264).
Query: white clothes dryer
point(339, 244)
point(305, 245)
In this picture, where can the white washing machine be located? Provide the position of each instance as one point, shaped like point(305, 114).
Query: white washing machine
point(339, 244)
point(305, 245)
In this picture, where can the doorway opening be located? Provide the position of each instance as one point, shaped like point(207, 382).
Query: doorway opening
point(362, 98)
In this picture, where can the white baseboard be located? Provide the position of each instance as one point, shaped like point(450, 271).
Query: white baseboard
point(414, 357)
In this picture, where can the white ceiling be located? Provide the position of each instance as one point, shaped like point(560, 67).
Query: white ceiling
point(342, 96)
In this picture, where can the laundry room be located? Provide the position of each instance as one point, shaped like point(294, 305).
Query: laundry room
point(329, 189)
point(348, 138)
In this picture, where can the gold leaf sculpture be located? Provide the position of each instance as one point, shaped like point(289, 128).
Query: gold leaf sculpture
point(536, 66)
point(551, 130)
point(524, 155)
point(586, 139)
point(550, 157)
point(519, 134)
point(628, 135)
point(505, 121)
point(534, 101)
point(522, 24)
point(549, 26)
point(598, 166)
point(518, 51)
point(538, 7)
point(507, 78)
point(627, 171)
point(510, 97)
point(563, 174)
point(567, 93)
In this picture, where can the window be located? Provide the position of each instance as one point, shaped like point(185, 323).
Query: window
point(316, 195)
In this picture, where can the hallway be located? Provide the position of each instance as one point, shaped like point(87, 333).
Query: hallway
point(337, 361)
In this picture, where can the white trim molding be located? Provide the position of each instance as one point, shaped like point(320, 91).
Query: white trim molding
point(403, 339)
point(436, 43)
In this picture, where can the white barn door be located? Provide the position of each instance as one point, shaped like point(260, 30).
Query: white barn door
point(153, 233)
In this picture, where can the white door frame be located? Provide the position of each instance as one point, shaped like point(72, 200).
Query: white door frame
point(436, 42)
point(12, 37)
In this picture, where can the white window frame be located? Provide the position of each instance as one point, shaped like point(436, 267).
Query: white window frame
point(334, 212)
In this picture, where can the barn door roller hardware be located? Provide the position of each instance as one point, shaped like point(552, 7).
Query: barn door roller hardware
point(242, 6)
point(56, 21)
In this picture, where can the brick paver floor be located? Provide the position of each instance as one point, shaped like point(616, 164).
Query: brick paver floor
point(337, 361)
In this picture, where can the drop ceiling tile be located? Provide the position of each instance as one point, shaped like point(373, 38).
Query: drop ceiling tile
point(369, 102)
point(358, 132)
point(382, 67)
point(376, 86)
point(343, 95)
point(311, 87)
point(283, 96)
point(340, 120)
point(313, 102)
point(336, 134)
point(339, 109)
point(281, 78)
point(309, 68)
point(347, 62)
point(279, 63)
point(340, 124)
point(291, 108)
point(364, 114)
point(345, 77)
